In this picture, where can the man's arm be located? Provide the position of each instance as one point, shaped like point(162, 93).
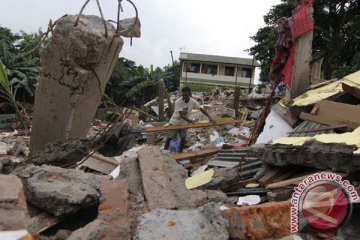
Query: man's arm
point(183, 116)
point(207, 114)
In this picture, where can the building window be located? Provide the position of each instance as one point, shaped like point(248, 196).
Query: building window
point(229, 71)
point(193, 68)
point(209, 69)
point(246, 73)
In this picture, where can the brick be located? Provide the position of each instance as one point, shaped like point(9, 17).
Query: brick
point(113, 209)
point(11, 190)
point(13, 209)
point(260, 221)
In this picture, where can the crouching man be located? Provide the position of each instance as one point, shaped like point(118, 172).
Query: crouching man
point(182, 111)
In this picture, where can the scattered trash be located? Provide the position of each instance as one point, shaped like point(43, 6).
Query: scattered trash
point(248, 200)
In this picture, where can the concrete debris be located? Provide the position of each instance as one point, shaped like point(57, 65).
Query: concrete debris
point(95, 231)
point(75, 67)
point(13, 209)
point(328, 156)
point(120, 138)
point(130, 27)
point(61, 153)
point(60, 191)
point(203, 223)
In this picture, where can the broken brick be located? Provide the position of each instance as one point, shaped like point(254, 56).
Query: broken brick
point(259, 221)
point(13, 210)
point(113, 209)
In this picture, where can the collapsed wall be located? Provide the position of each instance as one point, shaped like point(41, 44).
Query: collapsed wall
point(75, 67)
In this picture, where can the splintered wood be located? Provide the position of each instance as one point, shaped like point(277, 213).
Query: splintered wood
point(334, 113)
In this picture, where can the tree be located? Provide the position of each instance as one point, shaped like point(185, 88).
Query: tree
point(336, 36)
point(21, 61)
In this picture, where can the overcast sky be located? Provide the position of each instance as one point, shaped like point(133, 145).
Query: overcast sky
point(198, 26)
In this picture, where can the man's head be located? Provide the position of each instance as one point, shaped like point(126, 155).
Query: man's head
point(186, 93)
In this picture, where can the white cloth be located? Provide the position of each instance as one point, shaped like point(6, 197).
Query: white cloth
point(182, 106)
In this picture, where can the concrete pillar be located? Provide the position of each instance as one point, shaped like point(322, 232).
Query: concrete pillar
point(75, 67)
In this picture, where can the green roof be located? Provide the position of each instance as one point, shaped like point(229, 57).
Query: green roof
point(217, 59)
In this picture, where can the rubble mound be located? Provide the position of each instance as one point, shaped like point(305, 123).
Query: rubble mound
point(61, 153)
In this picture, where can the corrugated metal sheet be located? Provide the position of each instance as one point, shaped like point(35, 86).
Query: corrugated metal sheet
point(249, 165)
point(308, 125)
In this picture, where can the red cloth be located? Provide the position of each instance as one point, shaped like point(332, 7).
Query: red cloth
point(302, 22)
point(287, 70)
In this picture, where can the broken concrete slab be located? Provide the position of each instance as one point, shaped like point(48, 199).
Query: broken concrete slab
point(327, 156)
point(155, 179)
point(13, 209)
point(95, 230)
point(164, 182)
point(262, 221)
point(60, 191)
point(203, 223)
point(75, 67)
point(61, 153)
point(113, 209)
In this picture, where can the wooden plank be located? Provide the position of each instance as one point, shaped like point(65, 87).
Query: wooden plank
point(301, 67)
point(155, 181)
point(295, 180)
point(270, 176)
point(98, 165)
point(193, 155)
point(286, 183)
point(334, 113)
point(351, 90)
point(195, 125)
point(43, 221)
point(105, 159)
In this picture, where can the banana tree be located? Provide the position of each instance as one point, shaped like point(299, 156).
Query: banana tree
point(8, 92)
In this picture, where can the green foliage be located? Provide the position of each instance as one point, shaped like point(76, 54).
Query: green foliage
point(8, 92)
point(22, 68)
point(336, 36)
point(132, 85)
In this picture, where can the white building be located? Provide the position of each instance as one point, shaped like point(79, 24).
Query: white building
point(217, 70)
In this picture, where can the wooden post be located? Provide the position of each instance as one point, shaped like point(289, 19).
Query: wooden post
point(161, 100)
point(301, 69)
point(236, 100)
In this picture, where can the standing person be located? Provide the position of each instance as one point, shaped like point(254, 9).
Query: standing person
point(182, 111)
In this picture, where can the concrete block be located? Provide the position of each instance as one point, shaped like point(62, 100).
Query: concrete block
point(60, 191)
